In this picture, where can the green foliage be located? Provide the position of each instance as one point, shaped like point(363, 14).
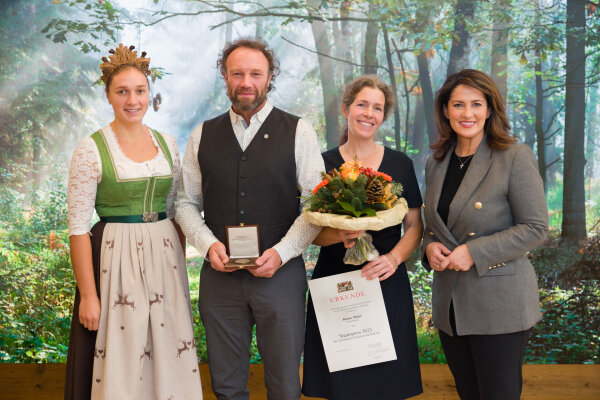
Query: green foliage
point(103, 24)
point(27, 227)
point(36, 281)
point(194, 266)
point(420, 282)
point(569, 280)
point(37, 293)
point(428, 340)
point(397, 188)
point(570, 329)
point(430, 347)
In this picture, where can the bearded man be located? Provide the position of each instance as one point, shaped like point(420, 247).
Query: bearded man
point(249, 167)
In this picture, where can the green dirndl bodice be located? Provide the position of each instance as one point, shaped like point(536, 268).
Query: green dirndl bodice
point(132, 200)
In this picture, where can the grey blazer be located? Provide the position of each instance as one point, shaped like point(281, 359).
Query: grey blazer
point(500, 212)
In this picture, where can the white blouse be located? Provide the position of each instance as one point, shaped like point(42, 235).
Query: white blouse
point(85, 174)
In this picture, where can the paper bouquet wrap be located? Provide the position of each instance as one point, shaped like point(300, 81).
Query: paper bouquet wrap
point(357, 199)
point(382, 220)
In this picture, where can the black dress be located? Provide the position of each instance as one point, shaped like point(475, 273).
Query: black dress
point(397, 379)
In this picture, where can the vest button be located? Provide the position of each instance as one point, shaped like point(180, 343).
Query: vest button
point(243, 175)
point(242, 212)
point(243, 158)
point(242, 194)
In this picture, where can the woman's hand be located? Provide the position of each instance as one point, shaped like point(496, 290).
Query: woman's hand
point(382, 267)
point(89, 312)
point(349, 237)
point(81, 259)
point(460, 259)
point(437, 255)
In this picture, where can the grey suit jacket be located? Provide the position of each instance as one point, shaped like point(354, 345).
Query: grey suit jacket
point(500, 212)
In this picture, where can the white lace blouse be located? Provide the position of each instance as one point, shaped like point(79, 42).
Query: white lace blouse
point(85, 174)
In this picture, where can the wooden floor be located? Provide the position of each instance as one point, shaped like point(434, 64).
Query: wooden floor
point(541, 382)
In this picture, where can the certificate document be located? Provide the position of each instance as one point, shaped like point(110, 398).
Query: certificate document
point(352, 320)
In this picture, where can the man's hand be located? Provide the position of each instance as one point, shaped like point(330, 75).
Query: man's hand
point(268, 263)
point(217, 253)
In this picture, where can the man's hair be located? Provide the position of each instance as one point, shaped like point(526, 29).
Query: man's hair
point(255, 44)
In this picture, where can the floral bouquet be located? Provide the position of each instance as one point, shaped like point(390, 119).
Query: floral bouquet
point(356, 198)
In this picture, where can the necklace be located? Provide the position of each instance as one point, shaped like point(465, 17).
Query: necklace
point(364, 158)
point(461, 162)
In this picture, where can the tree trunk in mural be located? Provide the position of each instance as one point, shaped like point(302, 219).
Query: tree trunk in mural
point(346, 38)
point(461, 45)
point(573, 223)
point(228, 29)
point(540, 133)
point(370, 52)
point(327, 76)
point(427, 90)
point(420, 140)
point(259, 28)
point(500, 47)
point(592, 136)
point(392, 75)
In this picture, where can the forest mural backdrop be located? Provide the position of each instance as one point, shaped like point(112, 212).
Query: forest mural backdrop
point(544, 55)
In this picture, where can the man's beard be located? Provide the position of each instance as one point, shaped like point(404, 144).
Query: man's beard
point(246, 104)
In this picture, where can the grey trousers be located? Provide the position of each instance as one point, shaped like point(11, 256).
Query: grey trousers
point(230, 304)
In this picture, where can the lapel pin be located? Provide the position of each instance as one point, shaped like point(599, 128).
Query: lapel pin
point(478, 205)
point(266, 136)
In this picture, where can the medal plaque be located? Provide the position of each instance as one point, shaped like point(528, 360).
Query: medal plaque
point(243, 246)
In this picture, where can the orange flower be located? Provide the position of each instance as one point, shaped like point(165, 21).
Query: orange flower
point(351, 170)
point(350, 174)
point(323, 183)
point(350, 165)
point(383, 176)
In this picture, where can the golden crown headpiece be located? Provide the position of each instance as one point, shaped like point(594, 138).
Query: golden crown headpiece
point(123, 56)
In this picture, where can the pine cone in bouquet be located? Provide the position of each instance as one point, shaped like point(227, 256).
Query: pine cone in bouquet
point(374, 191)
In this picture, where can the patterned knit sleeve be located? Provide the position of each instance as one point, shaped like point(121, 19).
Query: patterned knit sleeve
point(309, 165)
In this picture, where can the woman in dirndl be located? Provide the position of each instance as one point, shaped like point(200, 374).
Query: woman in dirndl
point(131, 334)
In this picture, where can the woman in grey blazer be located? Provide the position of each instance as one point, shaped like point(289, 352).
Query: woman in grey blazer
point(484, 210)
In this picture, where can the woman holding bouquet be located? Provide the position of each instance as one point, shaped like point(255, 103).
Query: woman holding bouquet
point(365, 105)
point(131, 332)
point(485, 209)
